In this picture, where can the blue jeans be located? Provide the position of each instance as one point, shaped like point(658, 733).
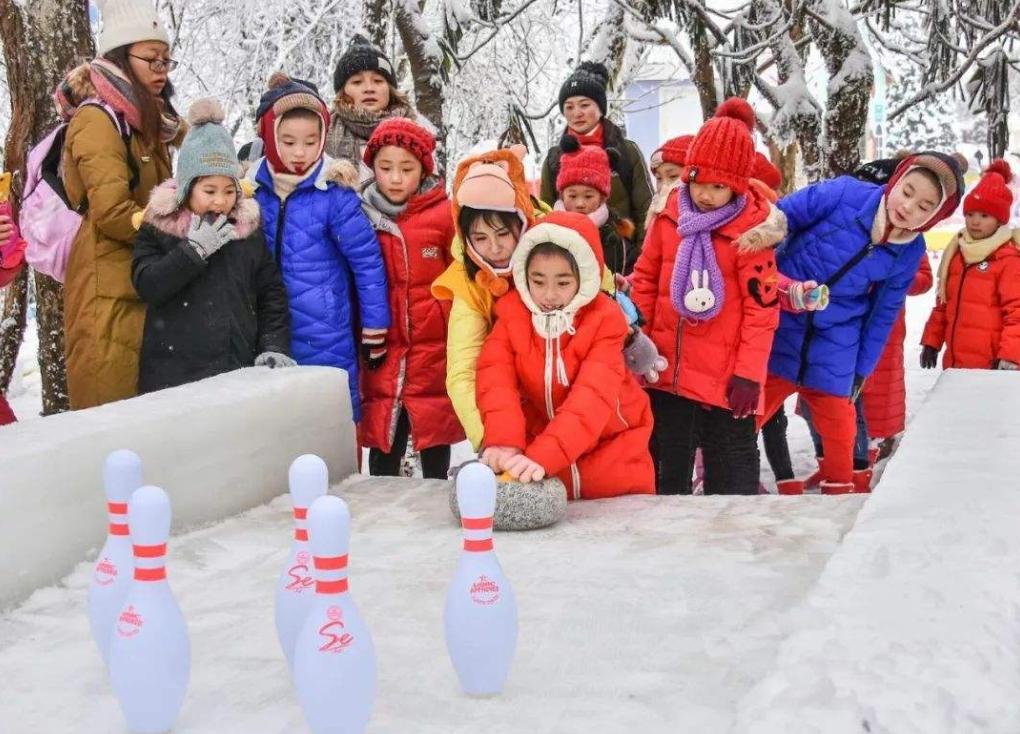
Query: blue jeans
point(861, 460)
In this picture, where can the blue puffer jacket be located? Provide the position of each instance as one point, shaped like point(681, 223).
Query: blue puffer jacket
point(829, 224)
point(330, 260)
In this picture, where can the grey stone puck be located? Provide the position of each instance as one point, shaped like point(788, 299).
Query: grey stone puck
point(522, 506)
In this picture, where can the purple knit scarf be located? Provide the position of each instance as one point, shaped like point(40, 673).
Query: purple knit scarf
point(696, 287)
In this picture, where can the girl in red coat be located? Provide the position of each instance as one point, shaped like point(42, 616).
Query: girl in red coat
point(707, 284)
point(409, 209)
point(977, 312)
point(553, 390)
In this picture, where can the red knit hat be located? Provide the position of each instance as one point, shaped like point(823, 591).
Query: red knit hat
point(767, 173)
point(403, 133)
point(723, 151)
point(586, 165)
point(992, 196)
point(672, 151)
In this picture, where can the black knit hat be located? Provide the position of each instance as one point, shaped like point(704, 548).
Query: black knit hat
point(588, 80)
point(360, 56)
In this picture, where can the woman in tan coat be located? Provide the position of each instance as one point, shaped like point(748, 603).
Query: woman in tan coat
point(111, 166)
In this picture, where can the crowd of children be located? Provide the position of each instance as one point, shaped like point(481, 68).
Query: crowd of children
point(620, 340)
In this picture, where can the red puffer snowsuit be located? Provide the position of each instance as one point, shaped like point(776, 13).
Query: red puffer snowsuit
point(593, 431)
point(885, 392)
point(980, 320)
point(737, 341)
point(416, 251)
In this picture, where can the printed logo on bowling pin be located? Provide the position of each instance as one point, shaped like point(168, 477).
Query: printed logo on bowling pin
point(337, 639)
point(299, 572)
point(129, 623)
point(106, 572)
point(484, 591)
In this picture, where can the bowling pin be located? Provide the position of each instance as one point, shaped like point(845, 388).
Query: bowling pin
point(150, 655)
point(111, 578)
point(309, 480)
point(481, 611)
point(334, 658)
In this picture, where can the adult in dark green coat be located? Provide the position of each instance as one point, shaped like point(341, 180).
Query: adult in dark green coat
point(583, 104)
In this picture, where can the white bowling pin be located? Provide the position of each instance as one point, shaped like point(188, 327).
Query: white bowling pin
point(309, 480)
point(481, 611)
point(334, 658)
point(111, 578)
point(150, 655)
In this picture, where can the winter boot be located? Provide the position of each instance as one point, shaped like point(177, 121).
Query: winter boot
point(790, 486)
point(698, 485)
point(837, 488)
point(862, 480)
point(815, 479)
point(873, 454)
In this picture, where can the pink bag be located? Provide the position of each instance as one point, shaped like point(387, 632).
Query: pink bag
point(12, 252)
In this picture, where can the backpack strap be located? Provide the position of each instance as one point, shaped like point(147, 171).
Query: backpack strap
point(124, 129)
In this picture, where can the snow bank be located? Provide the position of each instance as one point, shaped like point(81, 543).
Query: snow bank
point(914, 626)
point(218, 447)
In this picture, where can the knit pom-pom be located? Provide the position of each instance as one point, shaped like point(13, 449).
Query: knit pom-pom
point(1002, 168)
point(596, 69)
point(278, 79)
point(204, 111)
point(738, 109)
point(569, 144)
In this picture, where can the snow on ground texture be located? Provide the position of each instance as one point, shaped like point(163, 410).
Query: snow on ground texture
point(647, 614)
point(914, 627)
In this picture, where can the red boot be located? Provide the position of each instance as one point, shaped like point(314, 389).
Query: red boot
point(815, 479)
point(837, 488)
point(790, 486)
point(862, 480)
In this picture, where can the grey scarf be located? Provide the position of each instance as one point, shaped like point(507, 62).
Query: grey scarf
point(372, 196)
point(351, 127)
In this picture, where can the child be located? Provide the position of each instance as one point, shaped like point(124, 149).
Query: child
point(977, 312)
point(864, 242)
point(707, 283)
point(555, 396)
point(319, 237)
point(583, 185)
point(409, 209)
point(667, 163)
point(215, 299)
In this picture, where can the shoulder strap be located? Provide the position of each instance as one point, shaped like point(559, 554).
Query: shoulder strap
point(848, 265)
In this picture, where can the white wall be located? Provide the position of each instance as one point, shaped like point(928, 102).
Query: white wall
point(218, 447)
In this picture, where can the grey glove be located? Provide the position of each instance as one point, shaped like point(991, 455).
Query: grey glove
point(643, 359)
point(208, 235)
point(274, 360)
point(1005, 364)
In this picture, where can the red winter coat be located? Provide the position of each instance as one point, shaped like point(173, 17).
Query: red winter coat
point(885, 393)
point(6, 414)
point(593, 431)
point(980, 321)
point(737, 341)
point(416, 250)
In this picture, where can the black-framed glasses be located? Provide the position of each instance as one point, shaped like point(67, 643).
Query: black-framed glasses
point(158, 65)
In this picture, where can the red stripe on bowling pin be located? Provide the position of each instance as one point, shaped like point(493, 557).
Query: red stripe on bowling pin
point(300, 530)
point(331, 563)
point(118, 518)
point(147, 553)
point(477, 534)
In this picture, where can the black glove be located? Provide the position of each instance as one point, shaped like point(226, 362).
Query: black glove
point(858, 388)
point(929, 357)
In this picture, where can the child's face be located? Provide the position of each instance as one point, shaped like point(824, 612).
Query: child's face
point(494, 243)
point(912, 202)
point(710, 196)
point(397, 173)
point(667, 174)
point(582, 114)
point(368, 90)
point(582, 199)
point(297, 140)
point(981, 226)
point(213, 195)
point(551, 282)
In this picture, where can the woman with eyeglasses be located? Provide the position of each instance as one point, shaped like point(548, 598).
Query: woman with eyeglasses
point(117, 149)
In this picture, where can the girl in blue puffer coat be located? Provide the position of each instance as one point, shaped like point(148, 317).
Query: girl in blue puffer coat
point(864, 242)
point(324, 245)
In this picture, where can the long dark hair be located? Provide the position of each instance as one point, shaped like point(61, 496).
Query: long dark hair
point(150, 107)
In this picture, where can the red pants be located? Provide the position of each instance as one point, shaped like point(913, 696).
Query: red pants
point(6, 414)
point(835, 420)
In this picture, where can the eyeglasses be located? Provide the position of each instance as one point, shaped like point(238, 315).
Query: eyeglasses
point(158, 65)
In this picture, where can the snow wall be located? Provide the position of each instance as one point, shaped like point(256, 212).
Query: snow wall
point(914, 625)
point(218, 447)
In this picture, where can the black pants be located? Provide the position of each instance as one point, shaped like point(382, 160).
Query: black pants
point(435, 461)
point(729, 447)
point(777, 450)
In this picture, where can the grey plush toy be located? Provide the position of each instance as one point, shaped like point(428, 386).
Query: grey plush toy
point(523, 506)
point(643, 358)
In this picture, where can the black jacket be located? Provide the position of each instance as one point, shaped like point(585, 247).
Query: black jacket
point(210, 316)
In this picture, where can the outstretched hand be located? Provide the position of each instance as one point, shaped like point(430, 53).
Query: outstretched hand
point(525, 470)
point(496, 457)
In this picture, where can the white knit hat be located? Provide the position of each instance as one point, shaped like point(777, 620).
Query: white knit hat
point(125, 22)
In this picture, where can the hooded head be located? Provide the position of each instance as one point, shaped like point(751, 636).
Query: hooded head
point(942, 172)
point(284, 97)
point(494, 182)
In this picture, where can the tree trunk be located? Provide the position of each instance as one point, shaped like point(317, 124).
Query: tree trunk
point(429, 92)
point(56, 35)
point(376, 20)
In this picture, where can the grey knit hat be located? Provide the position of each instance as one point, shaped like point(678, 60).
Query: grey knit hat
point(207, 150)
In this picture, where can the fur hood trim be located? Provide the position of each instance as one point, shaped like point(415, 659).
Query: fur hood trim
point(339, 171)
point(164, 214)
point(766, 234)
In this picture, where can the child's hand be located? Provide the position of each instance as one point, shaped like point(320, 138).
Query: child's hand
point(6, 228)
point(808, 296)
point(1005, 364)
point(373, 347)
point(929, 358)
point(496, 457)
point(524, 469)
point(208, 235)
point(274, 360)
point(622, 284)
